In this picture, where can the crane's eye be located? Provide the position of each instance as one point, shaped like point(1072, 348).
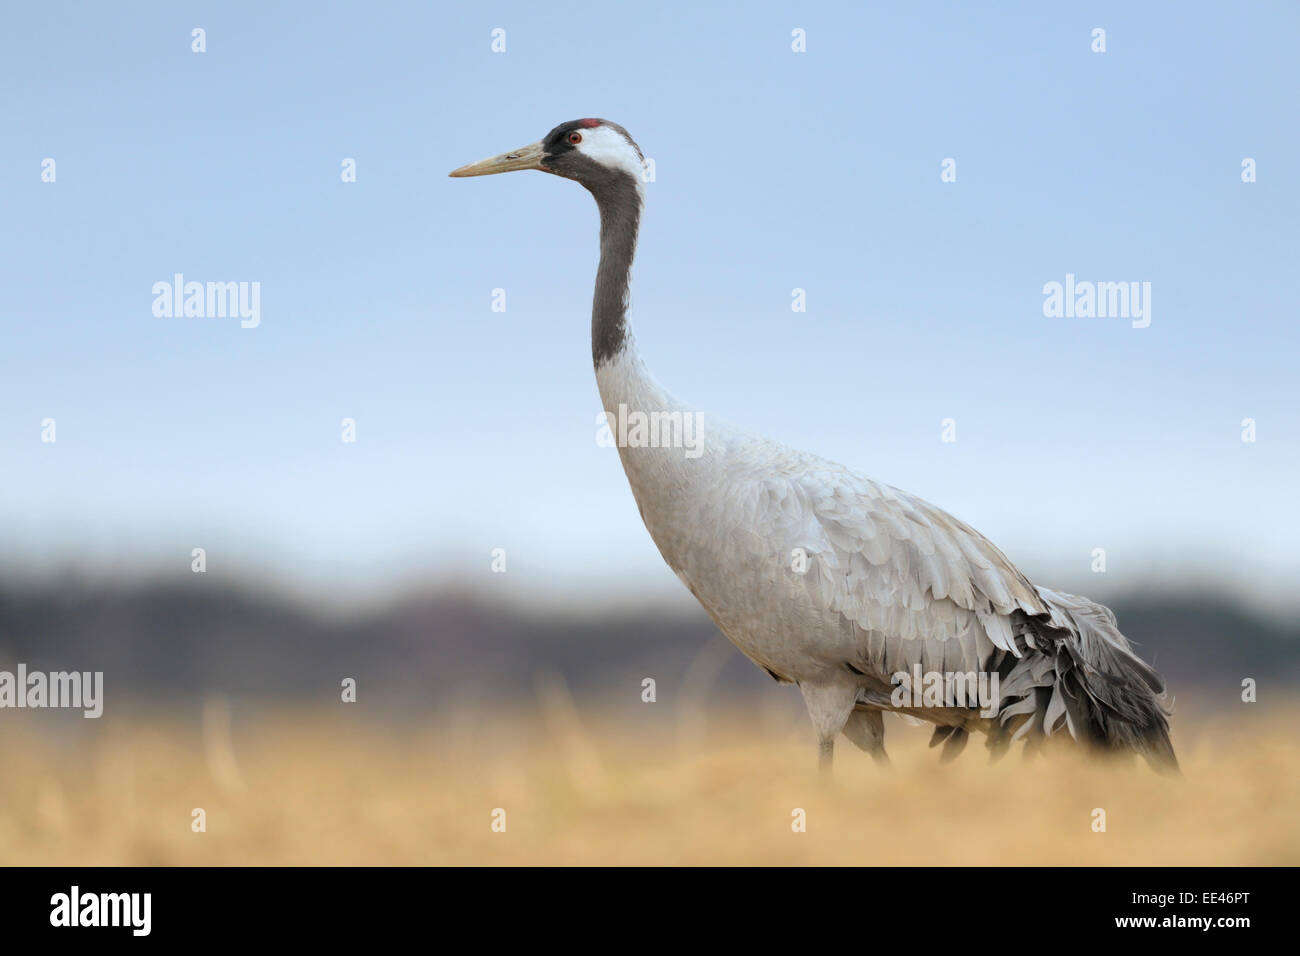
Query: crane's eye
point(575, 138)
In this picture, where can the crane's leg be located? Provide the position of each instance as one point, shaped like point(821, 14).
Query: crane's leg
point(829, 705)
point(826, 756)
point(866, 729)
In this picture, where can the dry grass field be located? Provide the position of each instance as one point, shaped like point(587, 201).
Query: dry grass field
point(317, 788)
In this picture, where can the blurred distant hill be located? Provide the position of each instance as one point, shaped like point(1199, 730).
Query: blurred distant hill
point(165, 642)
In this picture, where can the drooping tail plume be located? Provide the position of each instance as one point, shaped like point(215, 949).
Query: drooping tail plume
point(1090, 682)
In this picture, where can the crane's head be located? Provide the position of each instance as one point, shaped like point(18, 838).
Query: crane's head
point(595, 152)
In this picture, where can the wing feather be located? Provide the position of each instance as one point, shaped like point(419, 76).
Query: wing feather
point(918, 586)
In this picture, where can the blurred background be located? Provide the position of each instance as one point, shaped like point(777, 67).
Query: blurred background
point(475, 429)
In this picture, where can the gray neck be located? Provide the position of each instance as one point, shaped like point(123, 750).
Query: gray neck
point(619, 200)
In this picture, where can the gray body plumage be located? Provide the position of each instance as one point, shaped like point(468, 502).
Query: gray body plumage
point(834, 581)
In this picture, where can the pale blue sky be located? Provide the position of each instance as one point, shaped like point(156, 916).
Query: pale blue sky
point(774, 170)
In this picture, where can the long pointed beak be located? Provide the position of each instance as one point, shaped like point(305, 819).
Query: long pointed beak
point(529, 157)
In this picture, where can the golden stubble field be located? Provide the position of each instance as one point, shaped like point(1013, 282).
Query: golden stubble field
point(319, 788)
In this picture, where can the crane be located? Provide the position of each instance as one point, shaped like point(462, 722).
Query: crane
point(869, 599)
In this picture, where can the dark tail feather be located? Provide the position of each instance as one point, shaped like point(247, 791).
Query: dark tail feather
point(1091, 682)
point(953, 740)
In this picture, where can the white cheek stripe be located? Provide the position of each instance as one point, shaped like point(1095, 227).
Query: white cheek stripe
point(609, 148)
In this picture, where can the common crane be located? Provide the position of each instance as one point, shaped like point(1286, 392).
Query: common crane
point(889, 585)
